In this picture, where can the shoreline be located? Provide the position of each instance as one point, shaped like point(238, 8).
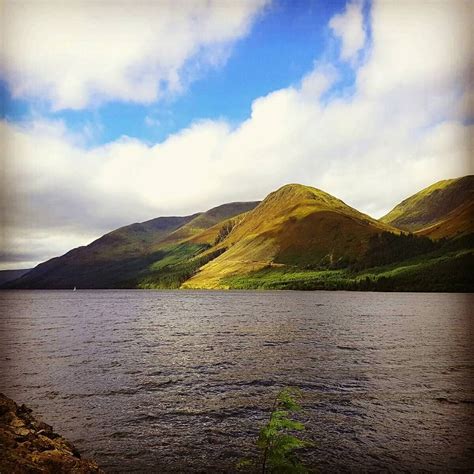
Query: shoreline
point(31, 445)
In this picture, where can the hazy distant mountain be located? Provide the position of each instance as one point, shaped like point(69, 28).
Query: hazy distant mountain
point(9, 275)
point(298, 237)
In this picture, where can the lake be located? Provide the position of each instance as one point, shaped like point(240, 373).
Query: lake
point(164, 381)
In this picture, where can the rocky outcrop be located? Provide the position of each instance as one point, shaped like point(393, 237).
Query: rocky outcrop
point(28, 445)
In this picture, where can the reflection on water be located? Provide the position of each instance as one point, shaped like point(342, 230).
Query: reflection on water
point(182, 380)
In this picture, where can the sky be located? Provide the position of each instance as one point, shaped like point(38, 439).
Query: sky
point(118, 111)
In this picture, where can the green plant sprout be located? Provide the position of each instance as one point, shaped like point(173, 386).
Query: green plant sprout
point(277, 439)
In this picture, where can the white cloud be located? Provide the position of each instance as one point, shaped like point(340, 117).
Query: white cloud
point(372, 149)
point(349, 27)
point(81, 52)
point(419, 46)
point(318, 81)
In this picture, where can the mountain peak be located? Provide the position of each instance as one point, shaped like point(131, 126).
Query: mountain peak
point(295, 228)
point(295, 188)
point(294, 193)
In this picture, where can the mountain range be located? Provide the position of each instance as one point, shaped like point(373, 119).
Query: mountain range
point(298, 237)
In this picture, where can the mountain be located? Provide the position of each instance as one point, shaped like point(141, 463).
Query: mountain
point(457, 223)
point(119, 257)
point(298, 237)
point(444, 209)
point(297, 226)
point(9, 275)
point(207, 220)
point(303, 238)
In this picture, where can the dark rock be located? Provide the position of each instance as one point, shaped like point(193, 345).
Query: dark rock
point(42, 426)
point(24, 409)
point(28, 445)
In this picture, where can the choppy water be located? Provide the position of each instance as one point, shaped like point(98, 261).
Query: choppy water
point(180, 380)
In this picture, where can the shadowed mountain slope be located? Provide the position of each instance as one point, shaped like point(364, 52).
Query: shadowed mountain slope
point(298, 237)
point(207, 220)
point(116, 258)
point(9, 275)
point(457, 223)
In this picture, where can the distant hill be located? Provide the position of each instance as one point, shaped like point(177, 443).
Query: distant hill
point(9, 275)
point(119, 256)
point(444, 209)
point(298, 237)
point(206, 220)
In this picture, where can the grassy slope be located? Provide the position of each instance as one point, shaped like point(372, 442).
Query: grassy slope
point(458, 222)
point(120, 253)
point(298, 228)
point(284, 242)
point(183, 252)
point(128, 241)
point(448, 272)
point(432, 207)
point(126, 257)
point(295, 225)
point(207, 220)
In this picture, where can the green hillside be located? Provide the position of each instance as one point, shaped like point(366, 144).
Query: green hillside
point(449, 200)
point(294, 226)
point(438, 271)
point(458, 222)
point(124, 256)
point(206, 220)
point(303, 238)
point(298, 237)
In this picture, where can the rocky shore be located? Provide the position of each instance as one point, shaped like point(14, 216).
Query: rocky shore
point(28, 445)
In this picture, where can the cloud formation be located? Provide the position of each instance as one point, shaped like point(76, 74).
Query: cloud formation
point(79, 53)
point(349, 27)
point(405, 126)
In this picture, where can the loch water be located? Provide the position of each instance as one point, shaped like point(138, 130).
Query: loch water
point(181, 381)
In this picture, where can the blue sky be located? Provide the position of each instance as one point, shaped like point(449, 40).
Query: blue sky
point(282, 46)
point(114, 113)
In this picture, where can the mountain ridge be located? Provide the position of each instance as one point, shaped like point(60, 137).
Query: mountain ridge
point(432, 205)
point(297, 237)
point(271, 234)
point(121, 253)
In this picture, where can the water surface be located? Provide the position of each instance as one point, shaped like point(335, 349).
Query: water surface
point(162, 381)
